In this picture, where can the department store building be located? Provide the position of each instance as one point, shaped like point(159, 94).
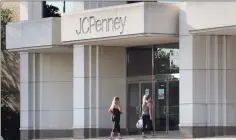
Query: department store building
point(72, 65)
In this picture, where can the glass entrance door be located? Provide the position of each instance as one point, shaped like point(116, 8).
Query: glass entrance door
point(133, 103)
point(160, 106)
point(166, 105)
point(146, 88)
point(173, 105)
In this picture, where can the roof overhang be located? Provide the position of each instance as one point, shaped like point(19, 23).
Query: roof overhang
point(123, 25)
point(211, 18)
point(129, 40)
point(227, 30)
point(34, 35)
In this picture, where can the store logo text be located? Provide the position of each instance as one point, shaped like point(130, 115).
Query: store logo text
point(91, 24)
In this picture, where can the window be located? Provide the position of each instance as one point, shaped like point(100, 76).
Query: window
point(56, 8)
point(128, 2)
point(166, 59)
point(139, 61)
point(153, 60)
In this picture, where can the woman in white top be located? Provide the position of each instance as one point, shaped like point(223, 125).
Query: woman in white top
point(147, 114)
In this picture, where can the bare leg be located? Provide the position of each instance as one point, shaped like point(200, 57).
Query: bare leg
point(112, 134)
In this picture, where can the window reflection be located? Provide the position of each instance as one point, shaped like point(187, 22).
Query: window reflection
point(166, 59)
point(128, 2)
point(56, 8)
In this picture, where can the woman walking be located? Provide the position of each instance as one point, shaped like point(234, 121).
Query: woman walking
point(147, 115)
point(115, 110)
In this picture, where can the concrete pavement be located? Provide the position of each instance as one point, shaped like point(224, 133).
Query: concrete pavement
point(155, 138)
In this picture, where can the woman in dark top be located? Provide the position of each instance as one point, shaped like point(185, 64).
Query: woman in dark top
point(115, 110)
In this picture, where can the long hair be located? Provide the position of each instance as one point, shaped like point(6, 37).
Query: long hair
point(145, 99)
point(115, 101)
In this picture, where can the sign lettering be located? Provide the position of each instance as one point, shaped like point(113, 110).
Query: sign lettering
point(88, 25)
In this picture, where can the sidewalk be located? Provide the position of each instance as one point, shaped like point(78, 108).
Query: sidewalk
point(172, 135)
point(155, 138)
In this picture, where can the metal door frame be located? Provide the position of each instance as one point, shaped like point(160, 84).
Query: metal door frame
point(140, 97)
point(167, 106)
point(167, 109)
point(127, 100)
point(140, 93)
point(153, 82)
point(156, 82)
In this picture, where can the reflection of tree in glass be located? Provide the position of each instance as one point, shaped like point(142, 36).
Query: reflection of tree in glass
point(164, 64)
point(163, 55)
point(50, 10)
point(173, 67)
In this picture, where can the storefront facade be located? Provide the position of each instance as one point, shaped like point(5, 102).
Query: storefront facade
point(72, 66)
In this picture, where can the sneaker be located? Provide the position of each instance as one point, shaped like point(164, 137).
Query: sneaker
point(120, 137)
point(152, 136)
point(111, 138)
point(143, 136)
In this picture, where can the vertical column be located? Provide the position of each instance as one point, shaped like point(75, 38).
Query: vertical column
point(230, 117)
point(24, 96)
point(186, 73)
point(216, 71)
point(224, 85)
point(193, 82)
point(80, 90)
point(98, 89)
point(28, 11)
point(28, 95)
point(93, 91)
point(204, 88)
point(86, 90)
point(91, 107)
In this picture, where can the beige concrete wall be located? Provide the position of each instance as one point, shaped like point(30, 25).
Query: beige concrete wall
point(207, 69)
point(42, 32)
point(46, 91)
point(99, 75)
point(56, 91)
point(206, 15)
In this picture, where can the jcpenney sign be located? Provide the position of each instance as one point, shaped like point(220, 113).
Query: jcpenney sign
point(88, 25)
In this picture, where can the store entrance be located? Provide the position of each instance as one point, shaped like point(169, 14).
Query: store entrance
point(166, 105)
point(165, 97)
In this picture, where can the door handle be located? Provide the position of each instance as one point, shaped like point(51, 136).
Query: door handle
point(164, 110)
point(137, 110)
